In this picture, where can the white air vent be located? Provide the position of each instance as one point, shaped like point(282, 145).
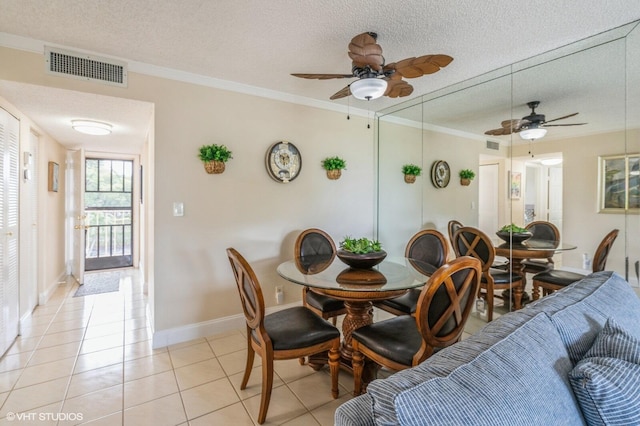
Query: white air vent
point(493, 145)
point(85, 67)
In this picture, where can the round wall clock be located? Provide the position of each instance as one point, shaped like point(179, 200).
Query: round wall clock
point(440, 174)
point(283, 161)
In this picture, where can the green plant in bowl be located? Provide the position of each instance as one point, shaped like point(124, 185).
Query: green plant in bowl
point(361, 253)
point(513, 233)
point(467, 174)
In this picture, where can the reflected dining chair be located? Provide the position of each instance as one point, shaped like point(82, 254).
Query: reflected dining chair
point(473, 242)
point(452, 227)
point(432, 250)
point(317, 243)
point(555, 279)
point(287, 334)
point(404, 341)
point(541, 230)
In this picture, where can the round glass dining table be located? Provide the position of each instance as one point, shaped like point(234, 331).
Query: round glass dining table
point(358, 288)
point(529, 249)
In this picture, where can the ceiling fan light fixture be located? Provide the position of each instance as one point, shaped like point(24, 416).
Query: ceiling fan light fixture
point(91, 127)
point(533, 133)
point(368, 88)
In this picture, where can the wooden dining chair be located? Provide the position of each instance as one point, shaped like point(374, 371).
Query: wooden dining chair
point(315, 243)
point(473, 242)
point(452, 227)
point(432, 250)
point(287, 334)
point(404, 341)
point(555, 279)
point(541, 230)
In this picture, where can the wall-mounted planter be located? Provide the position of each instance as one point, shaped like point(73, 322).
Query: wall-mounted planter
point(334, 174)
point(465, 182)
point(214, 167)
point(213, 157)
point(410, 178)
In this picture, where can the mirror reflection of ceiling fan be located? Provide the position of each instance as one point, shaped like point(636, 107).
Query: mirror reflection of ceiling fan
point(374, 77)
point(530, 127)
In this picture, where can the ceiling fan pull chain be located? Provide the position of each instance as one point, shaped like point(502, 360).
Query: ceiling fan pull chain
point(368, 116)
point(348, 107)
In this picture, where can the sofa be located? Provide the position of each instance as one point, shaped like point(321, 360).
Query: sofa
point(570, 358)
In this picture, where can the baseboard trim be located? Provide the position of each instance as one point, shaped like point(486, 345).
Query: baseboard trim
point(185, 333)
point(44, 296)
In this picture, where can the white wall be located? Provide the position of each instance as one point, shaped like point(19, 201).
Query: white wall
point(190, 280)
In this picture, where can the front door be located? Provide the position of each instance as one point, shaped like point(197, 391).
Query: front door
point(108, 203)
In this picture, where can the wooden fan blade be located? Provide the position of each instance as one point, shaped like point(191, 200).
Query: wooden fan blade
point(563, 125)
point(364, 51)
point(398, 88)
point(343, 93)
point(417, 67)
point(561, 118)
point(498, 132)
point(323, 76)
point(508, 127)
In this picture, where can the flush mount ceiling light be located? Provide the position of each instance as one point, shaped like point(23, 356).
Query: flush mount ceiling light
point(551, 161)
point(533, 133)
point(91, 127)
point(368, 88)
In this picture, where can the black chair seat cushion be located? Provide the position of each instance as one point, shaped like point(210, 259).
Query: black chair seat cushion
point(397, 339)
point(324, 303)
point(558, 277)
point(284, 328)
point(407, 303)
point(535, 266)
point(502, 277)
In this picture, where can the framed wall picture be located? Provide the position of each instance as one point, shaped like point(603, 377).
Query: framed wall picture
point(53, 176)
point(619, 184)
point(515, 185)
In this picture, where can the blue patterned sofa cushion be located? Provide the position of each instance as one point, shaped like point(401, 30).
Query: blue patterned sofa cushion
point(606, 380)
point(579, 323)
point(523, 378)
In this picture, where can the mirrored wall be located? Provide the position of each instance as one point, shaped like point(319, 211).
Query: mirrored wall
point(560, 177)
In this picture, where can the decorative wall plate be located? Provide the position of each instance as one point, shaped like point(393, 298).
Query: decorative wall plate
point(440, 174)
point(283, 161)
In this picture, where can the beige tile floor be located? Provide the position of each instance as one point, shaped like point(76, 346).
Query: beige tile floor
point(89, 360)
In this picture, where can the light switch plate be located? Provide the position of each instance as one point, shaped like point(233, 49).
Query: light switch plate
point(178, 209)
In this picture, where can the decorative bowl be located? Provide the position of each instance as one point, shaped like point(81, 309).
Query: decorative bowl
point(361, 261)
point(515, 237)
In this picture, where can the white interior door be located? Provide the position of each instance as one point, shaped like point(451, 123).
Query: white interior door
point(554, 212)
point(29, 228)
point(76, 213)
point(9, 227)
point(488, 198)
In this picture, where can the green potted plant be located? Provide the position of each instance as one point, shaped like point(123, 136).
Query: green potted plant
point(410, 172)
point(214, 156)
point(466, 176)
point(361, 253)
point(334, 167)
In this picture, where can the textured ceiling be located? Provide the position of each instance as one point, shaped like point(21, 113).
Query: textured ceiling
point(259, 43)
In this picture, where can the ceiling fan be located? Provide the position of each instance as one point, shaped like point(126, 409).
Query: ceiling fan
point(530, 127)
point(374, 77)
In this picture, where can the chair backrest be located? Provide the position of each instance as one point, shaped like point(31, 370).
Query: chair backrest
point(250, 293)
point(313, 242)
point(314, 251)
point(428, 246)
point(543, 230)
point(470, 241)
point(445, 303)
point(600, 258)
point(452, 227)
